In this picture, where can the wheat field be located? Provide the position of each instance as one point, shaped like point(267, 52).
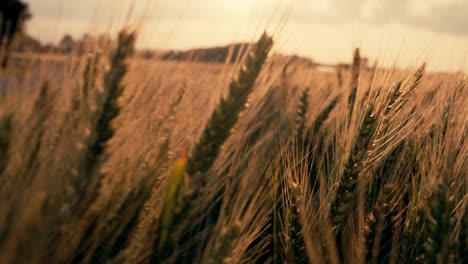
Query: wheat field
point(109, 158)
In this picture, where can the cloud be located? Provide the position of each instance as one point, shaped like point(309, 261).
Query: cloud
point(386, 11)
point(340, 11)
point(449, 17)
point(334, 12)
point(444, 18)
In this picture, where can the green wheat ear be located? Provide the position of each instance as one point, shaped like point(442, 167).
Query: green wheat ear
point(277, 247)
point(216, 131)
point(323, 116)
point(438, 227)
point(296, 251)
point(339, 77)
point(355, 71)
point(107, 110)
point(376, 223)
point(86, 182)
point(224, 117)
point(176, 180)
point(301, 113)
point(346, 190)
point(5, 134)
point(398, 96)
point(113, 88)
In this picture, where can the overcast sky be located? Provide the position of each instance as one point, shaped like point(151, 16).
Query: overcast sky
point(406, 31)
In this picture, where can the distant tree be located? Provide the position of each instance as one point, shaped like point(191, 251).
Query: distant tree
point(66, 44)
point(13, 13)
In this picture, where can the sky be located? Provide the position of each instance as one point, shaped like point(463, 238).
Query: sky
point(402, 32)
